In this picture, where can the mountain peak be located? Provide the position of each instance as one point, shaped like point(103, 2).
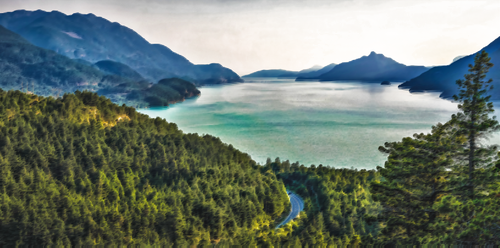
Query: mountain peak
point(374, 67)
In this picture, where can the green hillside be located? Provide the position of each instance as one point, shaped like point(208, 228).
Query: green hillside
point(80, 170)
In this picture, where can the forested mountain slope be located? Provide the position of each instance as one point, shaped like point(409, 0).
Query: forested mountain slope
point(93, 38)
point(336, 203)
point(116, 68)
point(80, 170)
point(26, 67)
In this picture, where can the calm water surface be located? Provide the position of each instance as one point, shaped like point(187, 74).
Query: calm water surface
point(340, 124)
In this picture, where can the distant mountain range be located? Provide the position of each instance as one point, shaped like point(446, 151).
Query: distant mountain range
point(279, 73)
point(91, 38)
point(443, 78)
point(26, 67)
point(65, 53)
point(374, 67)
point(377, 68)
point(315, 74)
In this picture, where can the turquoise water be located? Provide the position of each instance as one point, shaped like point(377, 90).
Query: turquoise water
point(340, 124)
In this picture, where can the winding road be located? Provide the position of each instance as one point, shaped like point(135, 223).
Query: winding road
point(297, 206)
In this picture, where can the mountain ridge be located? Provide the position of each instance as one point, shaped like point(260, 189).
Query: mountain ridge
point(315, 74)
point(283, 73)
point(24, 66)
point(443, 78)
point(93, 38)
point(374, 67)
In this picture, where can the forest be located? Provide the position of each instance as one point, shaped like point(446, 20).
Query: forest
point(444, 187)
point(81, 170)
point(440, 188)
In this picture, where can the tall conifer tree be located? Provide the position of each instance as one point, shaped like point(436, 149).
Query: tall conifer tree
point(452, 162)
point(471, 210)
point(414, 178)
point(475, 124)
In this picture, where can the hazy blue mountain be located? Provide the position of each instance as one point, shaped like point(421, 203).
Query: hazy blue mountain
point(26, 67)
point(213, 74)
point(374, 67)
point(315, 74)
point(312, 69)
point(117, 68)
point(273, 73)
point(93, 38)
point(281, 73)
point(22, 64)
point(443, 78)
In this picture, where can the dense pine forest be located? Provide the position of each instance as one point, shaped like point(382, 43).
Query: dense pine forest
point(336, 204)
point(444, 187)
point(80, 170)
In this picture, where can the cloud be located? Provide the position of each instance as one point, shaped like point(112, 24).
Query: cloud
point(73, 35)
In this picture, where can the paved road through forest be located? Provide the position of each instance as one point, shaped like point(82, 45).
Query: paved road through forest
point(297, 206)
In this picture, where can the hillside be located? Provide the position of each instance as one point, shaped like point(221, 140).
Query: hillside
point(23, 63)
point(119, 69)
point(26, 67)
point(160, 93)
point(94, 39)
point(443, 78)
point(80, 171)
point(374, 67)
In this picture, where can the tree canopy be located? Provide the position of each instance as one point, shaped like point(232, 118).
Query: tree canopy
point(443, 187)
point(80, 170)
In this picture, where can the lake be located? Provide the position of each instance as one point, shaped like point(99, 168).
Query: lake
point(340, 124)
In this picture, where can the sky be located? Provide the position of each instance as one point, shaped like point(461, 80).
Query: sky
point(251, 35)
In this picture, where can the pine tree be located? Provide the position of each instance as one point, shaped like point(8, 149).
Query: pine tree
point(474, 122)
point(415, 176)
point(470, 209)
point(442, 185)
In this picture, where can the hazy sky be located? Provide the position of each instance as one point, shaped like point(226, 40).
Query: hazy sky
point(249, 35)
